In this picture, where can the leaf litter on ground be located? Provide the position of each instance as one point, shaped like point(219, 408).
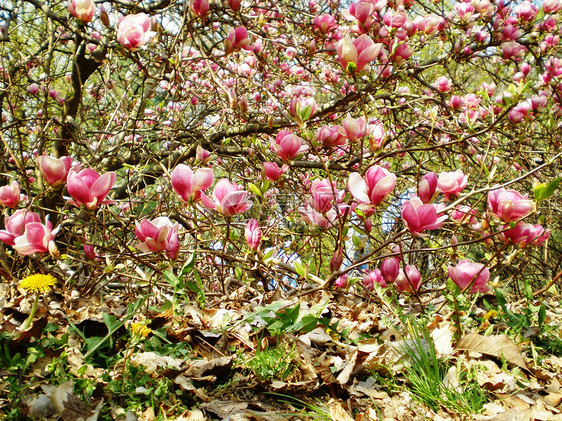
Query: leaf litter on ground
point(348, 360)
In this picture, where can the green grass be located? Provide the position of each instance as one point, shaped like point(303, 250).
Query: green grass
point(425, 372)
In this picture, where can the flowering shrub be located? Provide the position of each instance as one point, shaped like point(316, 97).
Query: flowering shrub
point(444, 124)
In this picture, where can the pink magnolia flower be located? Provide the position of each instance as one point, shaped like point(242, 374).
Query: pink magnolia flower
point(322, 220)
point(324, 194)
point(341, 282)
point(443, 84)
point(374, 276)
point(464, 10)
point(517, 114)
point(524, 234)
point(330, 136)
point(484, 7)
point(88, 188)
point(133, 31)
point(272, 171)
point(355, 55)
point(324, 23)
point(390, 269)
point(200, 7)
point(235, 4)
point(356, 128)
point(362, 10)
point(408, 279)
point(395, 19)
point(237, 39)
point(157, 235)
point(511, 33)
point(373, 188)
point(228, 198)
point(552, 6)
point(378, 134)
point(287, 145)
point(252, 233)
point(202, 154)
point(429, 24)
point(526, 11)
point(33, 88)
point(36, 238)
point(82, 9)
point(467, 273)
point(420, 217)
point(427, 187)
point(15, 224)
point(509, 205)
point(336, 260)
point(452, 183)
point(10, 195)
point(189, 185)
point(54, 170)
point(89, 251)
point(401, 50)
point(466, 215)
point(512, 49)
point(302, 108)
point(456, 102)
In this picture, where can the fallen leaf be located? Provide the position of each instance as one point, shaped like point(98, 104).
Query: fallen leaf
point(68, 406)
point(343, 377)
point(337, 412)
point(202, 368)
point(442, 339)
point(224, 409)
point(193, 415)
point(153, 361)
point(40, 407)
point(499, 346)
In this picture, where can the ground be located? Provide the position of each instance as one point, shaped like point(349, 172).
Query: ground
point(123, 353)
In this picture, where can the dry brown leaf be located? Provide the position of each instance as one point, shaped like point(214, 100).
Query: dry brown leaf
point(40, 407)
point(337, 412)
point(512, 415)
point(350, 362)
point(153, 361)
point(499, 346)
point(70, 407)
point(192, 415)
point(201, 368)
point(442, 339)
point(368, 388)
point(225, 409)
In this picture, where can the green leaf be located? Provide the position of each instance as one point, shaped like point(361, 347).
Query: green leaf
point(111, 322)
point(188, 267)
point(545, 190)
point(265, 186)
point(93, 343)
point(301, 269)
point(358, 242)
point(528, 290)
point(306, 324)
point(269, 254)
point(192, 286)
point(201, 293)
point(255, 189)
point(171, 279)
point(238, 272)
point(542, 316)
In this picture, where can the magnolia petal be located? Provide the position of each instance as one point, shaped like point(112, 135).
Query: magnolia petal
point(358, 187)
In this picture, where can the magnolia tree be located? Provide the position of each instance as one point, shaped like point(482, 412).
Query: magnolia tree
point(374, 146)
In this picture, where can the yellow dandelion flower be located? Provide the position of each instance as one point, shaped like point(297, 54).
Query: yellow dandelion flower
point(140, 330)
point(38, 282)
point(490, 314)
